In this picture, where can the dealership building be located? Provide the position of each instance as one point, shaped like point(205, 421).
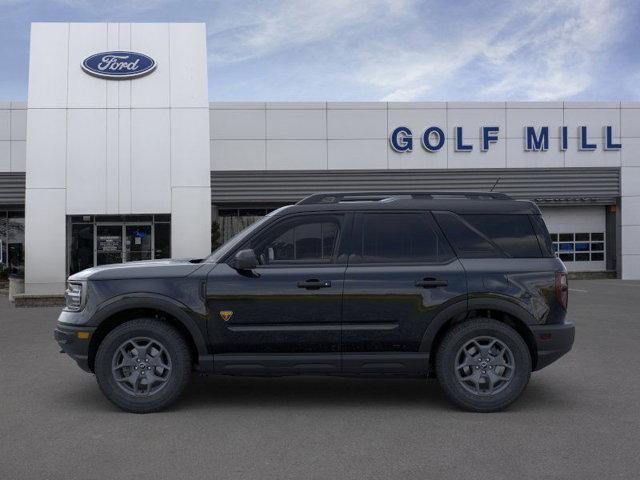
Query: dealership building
point(118, 154)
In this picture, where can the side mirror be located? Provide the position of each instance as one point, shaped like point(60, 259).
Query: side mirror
point(245, 260)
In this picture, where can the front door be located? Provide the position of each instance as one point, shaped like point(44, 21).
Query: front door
point(108, 244)
point(401, 273)
point(138, 245)
point(289, 306)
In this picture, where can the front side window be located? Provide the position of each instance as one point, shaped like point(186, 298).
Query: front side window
point(399, 237)
point(306, 239)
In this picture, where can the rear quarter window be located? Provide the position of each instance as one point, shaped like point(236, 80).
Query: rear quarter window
point(490, 235)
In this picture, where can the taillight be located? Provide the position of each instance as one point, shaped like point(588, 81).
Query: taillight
point(562, 289)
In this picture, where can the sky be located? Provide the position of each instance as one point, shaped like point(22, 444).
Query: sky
point(377, 50)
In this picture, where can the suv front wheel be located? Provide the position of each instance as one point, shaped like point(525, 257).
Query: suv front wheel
point(143, 365)
point(483, 365)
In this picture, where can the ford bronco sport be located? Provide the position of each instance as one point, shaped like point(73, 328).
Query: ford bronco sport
point(463, 286)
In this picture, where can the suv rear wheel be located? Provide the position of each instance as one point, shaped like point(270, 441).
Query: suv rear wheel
point(143, 365)
point(483, 365)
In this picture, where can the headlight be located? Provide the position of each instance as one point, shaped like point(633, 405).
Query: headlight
point(74, 296)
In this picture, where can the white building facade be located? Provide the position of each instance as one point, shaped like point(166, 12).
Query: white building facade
point(112, 170)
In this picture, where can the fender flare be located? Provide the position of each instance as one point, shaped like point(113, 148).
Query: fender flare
point(464, 306)
point(155, 301)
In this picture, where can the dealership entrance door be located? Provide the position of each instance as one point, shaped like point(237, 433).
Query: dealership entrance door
point(101, 240)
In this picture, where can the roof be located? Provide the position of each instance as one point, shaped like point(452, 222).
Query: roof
point(457, 202)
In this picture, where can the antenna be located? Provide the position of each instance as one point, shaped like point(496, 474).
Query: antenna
point(494, 185)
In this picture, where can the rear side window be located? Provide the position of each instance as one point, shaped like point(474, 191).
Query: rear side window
point(399, 237)
point(490, 236)
point(466, 241)
point(514, 234)
point(544, 239)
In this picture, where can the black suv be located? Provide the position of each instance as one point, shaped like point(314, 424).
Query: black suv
point(464, 286)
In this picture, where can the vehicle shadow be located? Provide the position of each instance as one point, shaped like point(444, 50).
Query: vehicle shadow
point(308, 392)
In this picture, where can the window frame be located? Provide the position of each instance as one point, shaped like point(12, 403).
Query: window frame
point(430, 222)
point(343, 220)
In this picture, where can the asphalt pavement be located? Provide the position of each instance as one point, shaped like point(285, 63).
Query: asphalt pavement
point(579, 418)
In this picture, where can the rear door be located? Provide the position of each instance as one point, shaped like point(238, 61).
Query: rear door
point(401, 273)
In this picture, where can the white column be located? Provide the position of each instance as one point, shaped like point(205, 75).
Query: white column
point(630, 229)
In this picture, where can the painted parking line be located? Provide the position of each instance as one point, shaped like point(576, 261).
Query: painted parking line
point(578, 290)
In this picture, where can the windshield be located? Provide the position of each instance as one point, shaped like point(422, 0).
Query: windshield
point(239, 237)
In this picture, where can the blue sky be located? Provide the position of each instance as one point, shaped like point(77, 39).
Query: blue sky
point(295, 50)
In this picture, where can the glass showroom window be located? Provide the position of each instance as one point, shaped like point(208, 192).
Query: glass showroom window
point(232, 220)
point(579, 247)
point(11, 242)
point(104, 239)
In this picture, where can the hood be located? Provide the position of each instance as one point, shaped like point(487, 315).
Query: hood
point(168, 268)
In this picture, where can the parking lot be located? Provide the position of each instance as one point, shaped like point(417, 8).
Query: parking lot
point(579, 418)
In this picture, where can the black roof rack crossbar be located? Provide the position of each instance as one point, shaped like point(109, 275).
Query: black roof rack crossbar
point(337, 197)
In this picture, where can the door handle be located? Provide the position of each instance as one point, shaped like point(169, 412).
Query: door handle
point(431, 283)
point(314, 284)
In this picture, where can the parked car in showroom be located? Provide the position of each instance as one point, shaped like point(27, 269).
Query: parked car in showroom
point(461, 285)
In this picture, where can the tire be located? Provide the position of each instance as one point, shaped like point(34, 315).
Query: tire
point(143, 365)
point(470, 347)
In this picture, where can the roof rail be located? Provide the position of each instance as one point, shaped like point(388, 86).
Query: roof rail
point(337, 197)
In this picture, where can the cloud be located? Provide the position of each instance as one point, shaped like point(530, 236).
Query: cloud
point(255, 32)
point(545, 51)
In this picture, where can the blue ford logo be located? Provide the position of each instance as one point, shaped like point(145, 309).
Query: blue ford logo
point(118, 65)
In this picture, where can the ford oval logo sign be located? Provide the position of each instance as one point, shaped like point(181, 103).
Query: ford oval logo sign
point(118, 65)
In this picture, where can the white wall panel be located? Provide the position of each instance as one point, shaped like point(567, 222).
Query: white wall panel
point(18, 156)
point(630, 153)
point(5, 124)
point(45, 241)
point(630, 118)
point(86, 161)
point(471, 119)
point(418, 120)
point(296, 124)
point(124, 86)
point(630, 267)
point(18, 124)
point(237, 124)
point(418, 158)
point(518, 157)
point(353, 154)
point(495, 157)
point(597, 158)
point(153, 90)
point(188, 63)
point(238, 155)
point(630, 211)
point(124, 161)
point(113, 43)
point(190, 147)
point(630, 235)
point(47, 148)
point(48, 54)
point(357, 124)
point(296, 154)
point(191, 222)
point(5, 156)
point(518, 118)
point(111, 162)
point(86, 91)
point(594, 119)
point(150, 161)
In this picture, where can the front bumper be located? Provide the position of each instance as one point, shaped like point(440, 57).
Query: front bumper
point(552, 342)
point(75, 341)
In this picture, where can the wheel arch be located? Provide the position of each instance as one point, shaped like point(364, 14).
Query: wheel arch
point(504, 311)
point(121, 310)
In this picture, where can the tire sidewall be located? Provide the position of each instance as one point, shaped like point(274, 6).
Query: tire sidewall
point(456, 339)
point(178, 376)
